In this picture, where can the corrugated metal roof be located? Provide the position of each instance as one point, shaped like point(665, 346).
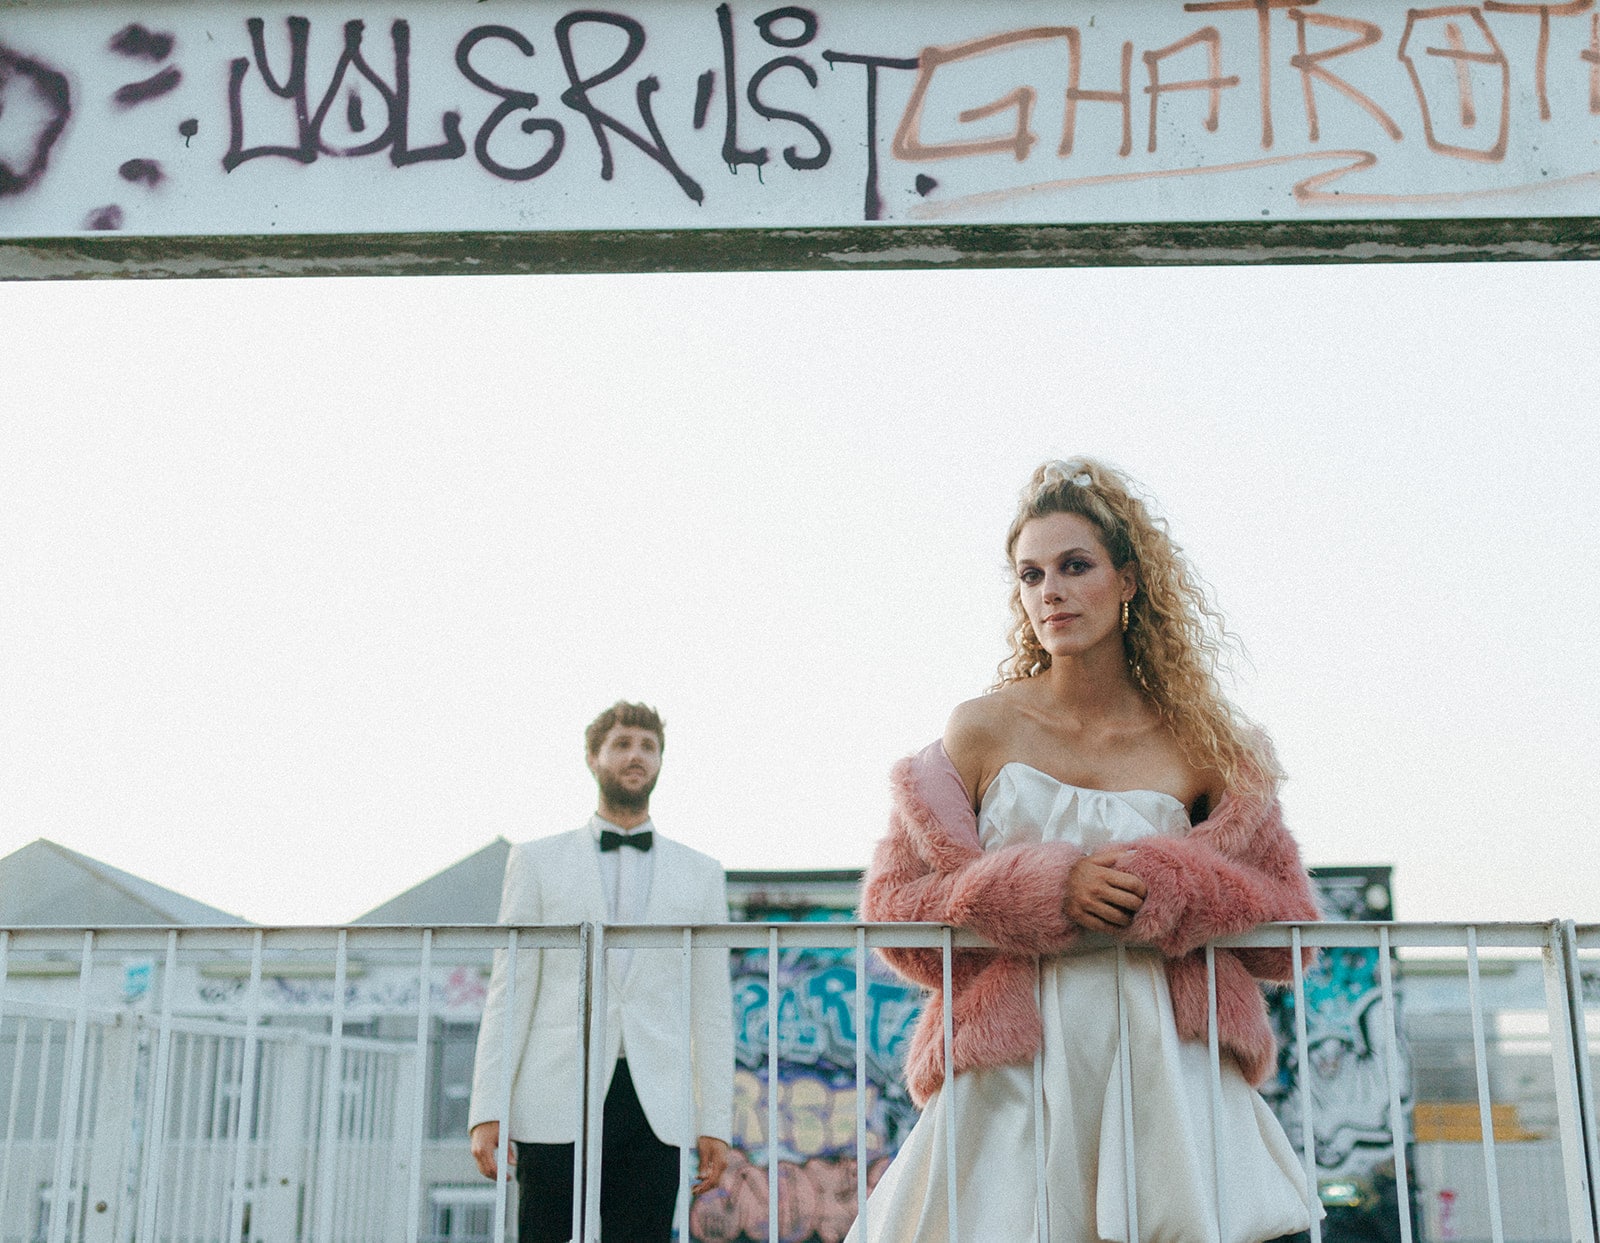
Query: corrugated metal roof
point(44, 883)
point(466, 892)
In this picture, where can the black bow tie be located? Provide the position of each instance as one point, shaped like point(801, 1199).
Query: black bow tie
point(639, 841)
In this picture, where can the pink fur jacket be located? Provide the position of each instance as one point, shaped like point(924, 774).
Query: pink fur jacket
point(1234, 870)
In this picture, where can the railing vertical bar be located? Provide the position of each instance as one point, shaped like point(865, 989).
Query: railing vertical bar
point(343, 1141)
point(365, 1109)
point(1583, 1067)
point(11, 1114)
point(150, 1178)
point(221, 1098)
point(362, 1116)
point(47, 1043)
point(861, 1081)
point(206, 1126)
point(311, 1158)
point(247, 1089)
point(349, 1133)
point(1564, 1021)
point(1397, 1132)
point(189, 1109)
point(93, 1069)
point(419, 1084)
point(268, 1080)
point(690, 1132)
point(1041, 1198)
point(1480, 1056)
point(379, 1123)
point(580, 1133)
point(11, 1100)
point(332, 1097)
point(378, 1097)
point(352, 1132)
point(227, 1098)
point(508, 1052)
point(67, 1128)
point(1302, 1059)
point(1130, 1170)
point(385, 1137)
point(774, 1078)
point(1214, 1052)
point(947, 1007)
point(600, 1071)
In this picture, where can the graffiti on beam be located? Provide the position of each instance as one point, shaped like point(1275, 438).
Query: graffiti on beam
point(351, 118)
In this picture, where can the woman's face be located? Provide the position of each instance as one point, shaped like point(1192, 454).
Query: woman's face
point(1070, 590)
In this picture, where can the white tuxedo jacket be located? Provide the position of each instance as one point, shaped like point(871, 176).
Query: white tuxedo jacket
point(556, 880)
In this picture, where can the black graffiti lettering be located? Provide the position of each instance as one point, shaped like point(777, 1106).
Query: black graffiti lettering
point(768, 22)
point(401, 153)
point(50, 88)
point(702, 97)
point(147, 171)
point(293, 88)
point(135, 93)
point(105, 219)
point(874, 201)
point(396, 104)
point(352, 58)
point(510, 101)
point(137, 43)
point(576, 97)
point(732, 154)
point(350, 72)
point(791, 155)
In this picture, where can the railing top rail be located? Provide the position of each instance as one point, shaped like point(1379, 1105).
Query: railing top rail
point(405, 938)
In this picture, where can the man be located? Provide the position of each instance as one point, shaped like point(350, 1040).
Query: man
point(615, 869)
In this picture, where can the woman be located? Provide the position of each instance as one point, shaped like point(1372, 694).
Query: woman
point(1099, 816)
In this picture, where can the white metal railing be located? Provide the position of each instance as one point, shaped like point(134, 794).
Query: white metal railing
point(251, 1090)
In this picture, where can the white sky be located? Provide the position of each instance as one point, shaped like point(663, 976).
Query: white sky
point(307, 588)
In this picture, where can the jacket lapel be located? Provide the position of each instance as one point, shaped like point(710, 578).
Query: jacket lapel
point(582, 870)
point(663, 875)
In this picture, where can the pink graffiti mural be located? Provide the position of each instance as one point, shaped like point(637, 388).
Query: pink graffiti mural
point(816, 1201)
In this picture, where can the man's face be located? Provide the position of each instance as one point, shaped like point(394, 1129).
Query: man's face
point(626, 767)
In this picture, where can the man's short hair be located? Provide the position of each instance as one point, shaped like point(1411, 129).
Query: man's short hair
point(639, 716)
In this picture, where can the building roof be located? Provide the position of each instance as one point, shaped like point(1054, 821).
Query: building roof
point(466, 892)
point(46, 884)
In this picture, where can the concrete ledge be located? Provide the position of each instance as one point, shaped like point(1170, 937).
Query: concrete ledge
point(845, 249)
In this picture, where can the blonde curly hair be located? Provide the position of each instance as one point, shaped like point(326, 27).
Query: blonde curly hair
point(1175, 636)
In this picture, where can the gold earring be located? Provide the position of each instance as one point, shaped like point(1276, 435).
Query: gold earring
point(1124, 617)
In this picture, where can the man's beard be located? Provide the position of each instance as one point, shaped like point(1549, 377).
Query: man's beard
point(621, 797)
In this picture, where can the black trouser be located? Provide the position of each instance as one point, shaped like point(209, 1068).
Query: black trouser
point(638, 1178)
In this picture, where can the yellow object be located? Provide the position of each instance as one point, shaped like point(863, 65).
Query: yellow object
point(1458, 1122)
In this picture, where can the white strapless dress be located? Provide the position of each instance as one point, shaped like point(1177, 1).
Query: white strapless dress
point(1075, 1186)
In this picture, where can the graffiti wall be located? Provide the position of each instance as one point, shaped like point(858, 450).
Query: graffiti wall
point(816, 1103)
point(334, 117)
point(1346, 1075)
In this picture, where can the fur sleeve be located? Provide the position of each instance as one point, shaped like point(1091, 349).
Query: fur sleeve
point(930, 868)
point(1221, 880)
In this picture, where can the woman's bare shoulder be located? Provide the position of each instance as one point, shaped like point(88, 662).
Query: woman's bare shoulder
point(978, 734)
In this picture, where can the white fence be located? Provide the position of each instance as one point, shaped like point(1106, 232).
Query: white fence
point(273, 1085)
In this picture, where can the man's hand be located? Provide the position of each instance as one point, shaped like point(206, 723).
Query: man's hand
point(1100, 898)
point(713, 1164)
point(486, 1144)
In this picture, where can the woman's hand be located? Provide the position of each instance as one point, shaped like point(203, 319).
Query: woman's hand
point(1099, 898)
